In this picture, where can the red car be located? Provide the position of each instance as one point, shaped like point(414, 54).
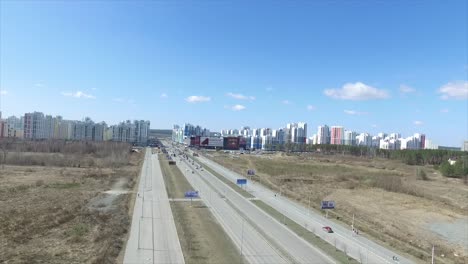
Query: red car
point(327, 229)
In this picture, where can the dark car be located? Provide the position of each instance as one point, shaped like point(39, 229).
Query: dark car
point(327, 229)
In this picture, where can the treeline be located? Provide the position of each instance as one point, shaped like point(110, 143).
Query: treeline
point(410, 157)
point(100, 149)
point(457, 170)
point(436, 157)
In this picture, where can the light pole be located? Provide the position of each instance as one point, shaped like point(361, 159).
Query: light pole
point(284, 216)
point(242, 241)
point(432, 254)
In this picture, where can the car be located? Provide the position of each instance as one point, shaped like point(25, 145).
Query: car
point(327, 229)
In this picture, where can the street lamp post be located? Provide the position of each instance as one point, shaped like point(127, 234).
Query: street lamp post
point(242, 241)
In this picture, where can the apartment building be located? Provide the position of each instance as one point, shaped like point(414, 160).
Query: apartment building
point(323, 135)
point(337, 133)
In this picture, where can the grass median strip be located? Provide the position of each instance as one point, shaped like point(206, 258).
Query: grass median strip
point(175, 181)
point(202, 239)
point(226, 181)
point(310, 237)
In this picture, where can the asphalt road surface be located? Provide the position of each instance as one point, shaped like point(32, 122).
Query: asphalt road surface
point(292, 248)
point(253, 247)
point(356, 246)
point(153, 236)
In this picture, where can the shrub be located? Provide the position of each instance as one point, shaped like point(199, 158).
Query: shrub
point(78, 231)
point(422, 175)
point(388, 183)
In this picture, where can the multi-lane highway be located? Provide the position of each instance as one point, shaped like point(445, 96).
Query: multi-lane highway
point(260, 238)
point(253, 247)
point(267, 230)
point(153, 236)
point(358, 247)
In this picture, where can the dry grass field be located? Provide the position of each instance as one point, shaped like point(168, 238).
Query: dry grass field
point(389, 201)
point(58, 211)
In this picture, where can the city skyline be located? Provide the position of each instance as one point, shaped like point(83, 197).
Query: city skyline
point(370, 67)
point(39, 126)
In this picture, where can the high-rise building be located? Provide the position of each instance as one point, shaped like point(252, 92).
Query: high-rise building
point(98, 132)
point(349, 138)
point(65, 129)
point(278, 136)
point(301, 133)
point(323, 135)
point(413, 142)
point(364, 139)
point(296, 132)
point(422, 141)
point(136, 132)
point(428, 144)
point(141, 131)
point(34, 126)
point(390, 143)
point(337, 133)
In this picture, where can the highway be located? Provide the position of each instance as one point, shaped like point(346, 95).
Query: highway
point(254, 247)
point(153, 236)
point(292, 248)
point(358, 247)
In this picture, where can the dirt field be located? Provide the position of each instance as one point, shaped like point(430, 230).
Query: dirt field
point(51, 214)
point(202, 239)
point(389, 201)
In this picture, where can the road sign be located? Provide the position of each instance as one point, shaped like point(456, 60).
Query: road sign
point(250, 172)
point(328, 204)
point(241, 181)
point(191, 194)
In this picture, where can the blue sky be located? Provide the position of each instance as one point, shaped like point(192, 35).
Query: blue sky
point(371, 66)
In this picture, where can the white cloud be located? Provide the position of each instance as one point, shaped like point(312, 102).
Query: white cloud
point(418, 123)
point(374, 125)
point(197, 99)
point(406, 89)
point(356, 91)
point(286, 102)
point(444, 110)
point(240, 96)
point(353, 112)
point(311, 107)
point(237, 107)
point(164, 95)
point(269, 89)
point(79, 94)
point(39, 85)
point(118, 100)
point(454, 90)
point(3, 92)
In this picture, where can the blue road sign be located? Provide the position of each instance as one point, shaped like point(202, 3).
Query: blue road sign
point(191, 194)
point(241, 181)
point(328, 204)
